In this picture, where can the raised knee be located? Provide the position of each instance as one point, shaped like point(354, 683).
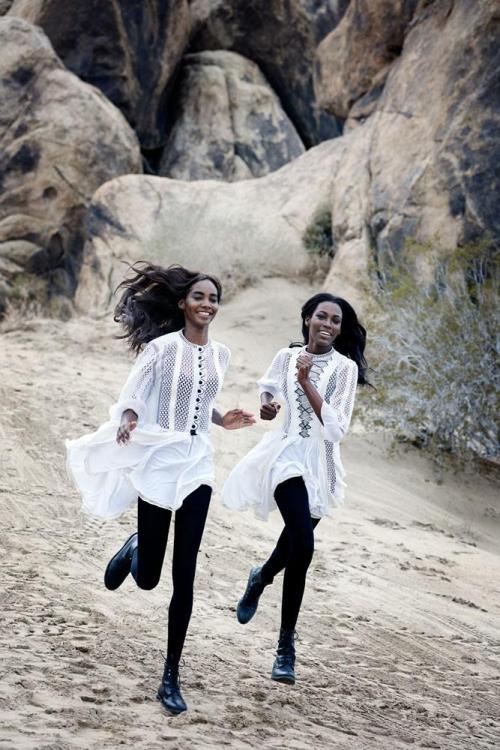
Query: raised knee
point(148, 584)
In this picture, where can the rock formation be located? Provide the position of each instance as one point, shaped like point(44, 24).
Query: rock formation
point(355, 57)
point(60, 139)
point(425, 164)
point(239, 230)
point(419, 155)
point(128, 50)
point(281, 36)
point(5, 6)
point(229, 124)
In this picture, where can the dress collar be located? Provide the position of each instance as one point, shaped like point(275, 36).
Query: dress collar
point(196, 346)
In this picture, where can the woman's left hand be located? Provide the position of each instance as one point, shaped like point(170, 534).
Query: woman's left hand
point(236, 418)
point(304, 364)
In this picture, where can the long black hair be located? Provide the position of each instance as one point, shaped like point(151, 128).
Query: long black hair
point(351, 340)
point(148, 306)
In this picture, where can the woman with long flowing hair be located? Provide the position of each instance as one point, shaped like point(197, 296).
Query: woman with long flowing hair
point(297, 468)
point(156, 450)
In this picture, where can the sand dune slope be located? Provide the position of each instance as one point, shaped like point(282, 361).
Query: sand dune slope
point(399, 640)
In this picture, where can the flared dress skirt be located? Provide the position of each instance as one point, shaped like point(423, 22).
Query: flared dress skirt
point(162, 467)
point(278, 457)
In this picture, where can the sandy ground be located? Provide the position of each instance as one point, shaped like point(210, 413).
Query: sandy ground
point(399, 631)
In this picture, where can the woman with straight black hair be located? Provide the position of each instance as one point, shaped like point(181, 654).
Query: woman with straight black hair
point(297, 468)
point(156, 448)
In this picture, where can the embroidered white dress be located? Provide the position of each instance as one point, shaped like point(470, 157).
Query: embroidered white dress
point(302, 446)
point(172, 387)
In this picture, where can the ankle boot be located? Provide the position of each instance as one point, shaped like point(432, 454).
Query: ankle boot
point(247, 605)
point(283, 667)
point(169, 692)
point(118, 567)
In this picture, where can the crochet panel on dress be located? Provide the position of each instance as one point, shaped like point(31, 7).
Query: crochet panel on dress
point(305, 410)
point(189, 383)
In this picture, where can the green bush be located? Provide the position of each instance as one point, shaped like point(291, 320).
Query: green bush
point(436, 345)
point(318, 238)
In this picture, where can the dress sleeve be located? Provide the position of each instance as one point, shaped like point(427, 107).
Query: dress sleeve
point(136, 390)
point(338, 403)
point(270, 382)
point(224, 358)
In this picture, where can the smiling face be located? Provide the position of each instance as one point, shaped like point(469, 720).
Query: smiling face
point(324, 326)
point(200, 304)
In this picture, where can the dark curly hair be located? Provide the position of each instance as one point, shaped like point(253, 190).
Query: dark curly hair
point(148, 306)
point(351, 340)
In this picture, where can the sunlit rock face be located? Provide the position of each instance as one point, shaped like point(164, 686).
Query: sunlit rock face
point(425, 164)
point(229, 124)
point(61, 139)
point(281, 36)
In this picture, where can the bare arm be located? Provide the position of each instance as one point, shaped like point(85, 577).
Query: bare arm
point(233, 419)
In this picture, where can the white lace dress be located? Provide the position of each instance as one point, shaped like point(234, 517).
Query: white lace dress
point(302, 447)
point(172, 387)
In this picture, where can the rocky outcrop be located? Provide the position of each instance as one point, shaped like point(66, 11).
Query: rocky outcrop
point(229, 124)
point(239, 231)
point(425, 164)
point(353, 60)
point(5, 6)
point(129, 51)
point(60, 139)
point(281, 36)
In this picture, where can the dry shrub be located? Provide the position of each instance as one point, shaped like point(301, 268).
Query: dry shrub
point(437, 350)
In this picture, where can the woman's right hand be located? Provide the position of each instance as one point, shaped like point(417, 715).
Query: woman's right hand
point(127, 425)
point(269, 410)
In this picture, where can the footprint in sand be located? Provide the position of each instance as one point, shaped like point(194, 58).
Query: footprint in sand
point(387, 522)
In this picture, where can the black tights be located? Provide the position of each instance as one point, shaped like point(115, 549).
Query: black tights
point(153, 524)
point(294, 549)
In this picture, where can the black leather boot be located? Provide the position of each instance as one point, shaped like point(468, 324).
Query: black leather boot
point(247, 605)
point(283, 667)
point(118, 567)
point(169, 692)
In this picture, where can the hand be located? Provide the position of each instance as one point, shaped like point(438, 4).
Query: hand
point(270, 410)
point(128, 424)
point(236, 418)
point(304, 364)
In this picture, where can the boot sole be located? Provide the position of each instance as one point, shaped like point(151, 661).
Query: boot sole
point(284, 680)
point(170, 710)
point(108, 566)
point(243, 620)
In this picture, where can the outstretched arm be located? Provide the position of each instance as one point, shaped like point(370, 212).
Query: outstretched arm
point(233, 419)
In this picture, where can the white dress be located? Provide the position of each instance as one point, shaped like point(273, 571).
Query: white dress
point(172, 387)
point(302, 447)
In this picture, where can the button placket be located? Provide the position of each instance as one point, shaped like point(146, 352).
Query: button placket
point(201, 371)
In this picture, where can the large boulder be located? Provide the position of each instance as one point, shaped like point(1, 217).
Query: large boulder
point(229, 124)
point(129, 51)
point(353, 60)
point(239, 230)
point(281, 36)
point(60, 140)
point(425, 164)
